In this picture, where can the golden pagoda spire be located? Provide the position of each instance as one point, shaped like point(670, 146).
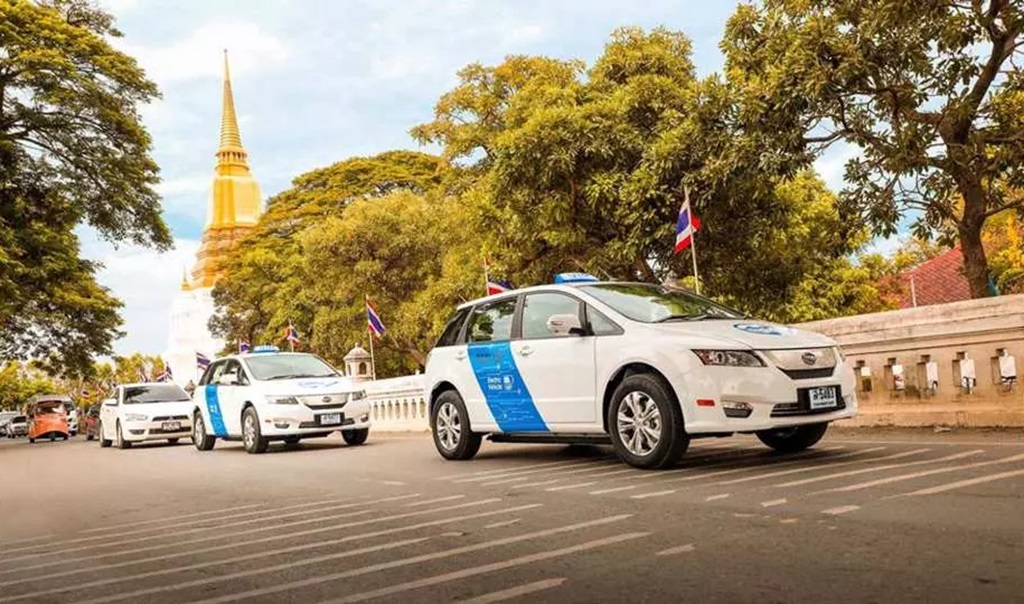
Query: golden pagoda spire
point(230, 137)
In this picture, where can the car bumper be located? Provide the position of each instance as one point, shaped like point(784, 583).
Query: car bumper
point(725, 400)
point(292, 420)
point(143, 431)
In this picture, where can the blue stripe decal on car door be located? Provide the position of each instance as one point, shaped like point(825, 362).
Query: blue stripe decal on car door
point(213, 406)
point(504, 390)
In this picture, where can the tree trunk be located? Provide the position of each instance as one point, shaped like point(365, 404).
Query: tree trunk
point(969, 227)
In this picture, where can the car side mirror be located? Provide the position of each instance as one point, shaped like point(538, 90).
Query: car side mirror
point(228, 379)
point(563, 325)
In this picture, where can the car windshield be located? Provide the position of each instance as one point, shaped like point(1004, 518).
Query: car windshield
point(155, 393)
point(288, 366)
point(649, 303)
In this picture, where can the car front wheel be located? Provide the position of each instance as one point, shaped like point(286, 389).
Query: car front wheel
point(202, 440)
point(252, 437)
point(121, 442)
point(794, 439)
point(355, 437)
point(449, 423)
point(646, 423)
point(99, 434)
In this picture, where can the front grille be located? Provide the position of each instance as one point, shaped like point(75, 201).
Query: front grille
point(803, 406)
point(344, 422)
point(809, 374)
point(168, 418)
point(180, 430)
point(325, 407)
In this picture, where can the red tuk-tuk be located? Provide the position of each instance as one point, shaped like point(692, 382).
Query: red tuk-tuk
point(47, 417)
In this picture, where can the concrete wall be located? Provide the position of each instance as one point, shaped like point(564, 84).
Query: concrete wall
point(878, 345)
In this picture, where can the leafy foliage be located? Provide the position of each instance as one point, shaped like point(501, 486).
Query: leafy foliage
point(72, 150)
point(20, 382)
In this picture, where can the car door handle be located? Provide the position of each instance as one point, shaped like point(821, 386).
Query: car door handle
point(526, 351)
point(460, 355)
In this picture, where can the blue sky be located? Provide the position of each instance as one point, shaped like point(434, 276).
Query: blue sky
point(316, 81)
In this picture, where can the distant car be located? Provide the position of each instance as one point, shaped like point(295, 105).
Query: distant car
point(269, 395)
point(17, 427)
point(92, 420)
point(5, 418)
point(72, 413)
point(145, 412)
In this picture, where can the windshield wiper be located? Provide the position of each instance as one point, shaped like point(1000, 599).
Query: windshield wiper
point(673, 318)
point(697, 317)
point(294, 376)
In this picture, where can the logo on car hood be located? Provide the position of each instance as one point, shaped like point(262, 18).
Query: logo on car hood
point(763, 330)
point(809, 358)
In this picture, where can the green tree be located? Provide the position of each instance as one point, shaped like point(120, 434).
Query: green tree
point(20, 382)
point(72, 151)
point(926, 91)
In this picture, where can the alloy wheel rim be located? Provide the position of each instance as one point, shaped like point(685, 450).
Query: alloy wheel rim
point(250, 431)
point(198, 429)
point(639, 423)
point(449, 428)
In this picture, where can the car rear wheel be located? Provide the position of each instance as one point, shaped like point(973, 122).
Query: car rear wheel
point(99, 434)
point(88, 436)
point(202, 440)
point(793, 439)
point(121, 442)
point(449, 423)
point(355, 437)
point(173, 441)
point(646, 423)
point(252, 437)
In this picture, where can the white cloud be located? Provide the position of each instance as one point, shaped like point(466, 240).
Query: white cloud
point(251, 49)
point(118, 7)
point(146, 281)
point(185, 185)
point(832, 165)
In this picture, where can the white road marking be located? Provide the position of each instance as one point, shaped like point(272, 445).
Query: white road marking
point(908, 464)
point(614, 473)
point(566, 487)
point(267, 553)
point(512, 474)
point(417, 504)
point(787, 461)
point(772, 503)
point(942, 488)
point(682, 549)
point(902, 477)
point(533, 484)
point(788, 521)
point(654, 494)
point(716, 497)
point(486, 568)
point(355, 572)
point(930, 441)
point(502, 523)
point(96, 540)
point(515, 592)
point(173, 518)
point(614, 490)
point(501, 470)
point(843, 509)
point(813, 468)
point(555, 472)
point(232, 544)
point(506, 481)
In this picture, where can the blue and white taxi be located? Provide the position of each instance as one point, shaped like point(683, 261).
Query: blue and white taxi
point(645, 366)
point(268, 395)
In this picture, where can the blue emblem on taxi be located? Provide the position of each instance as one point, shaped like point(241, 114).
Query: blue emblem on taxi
point(574, 278)
point(761, 330)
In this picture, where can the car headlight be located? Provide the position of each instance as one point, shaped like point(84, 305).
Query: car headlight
point(282, 400)
point(729, 358)
point(357, 396)
point(840, 355)
point(135, 417)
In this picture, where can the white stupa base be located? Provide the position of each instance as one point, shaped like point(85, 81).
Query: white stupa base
point(189, 333)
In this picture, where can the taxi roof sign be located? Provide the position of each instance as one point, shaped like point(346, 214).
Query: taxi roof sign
point(266, 348)
point(575, 278)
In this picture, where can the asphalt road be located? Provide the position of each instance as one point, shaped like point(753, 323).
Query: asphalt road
point(863, 517)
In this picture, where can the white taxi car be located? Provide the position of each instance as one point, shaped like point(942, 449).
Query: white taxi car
point(267, 395)
point(646, 366)
point(144, 412)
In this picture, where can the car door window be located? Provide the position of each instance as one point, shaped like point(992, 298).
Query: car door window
point(539, 307)
point(214, 373)
point(493, 322)
point(234, 367)
point(450, 335)
point(600, 325)
point(243, 378)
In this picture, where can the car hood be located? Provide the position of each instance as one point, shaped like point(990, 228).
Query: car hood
point(758, 335)
point(157, 409)
point(309, 386)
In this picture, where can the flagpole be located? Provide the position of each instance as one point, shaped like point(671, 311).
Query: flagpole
point(693, 241)
point(487, 279)
point(373, 361)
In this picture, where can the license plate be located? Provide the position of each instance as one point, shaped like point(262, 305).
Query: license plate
point(823, 398)
point(330, 419)
point(171, 426)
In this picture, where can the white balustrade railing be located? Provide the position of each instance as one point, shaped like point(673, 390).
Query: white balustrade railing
point(398, 404)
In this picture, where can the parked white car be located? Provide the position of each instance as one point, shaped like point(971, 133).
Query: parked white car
point(645, 366)
point(17, 427)
point(268, 395)
point(145, 412)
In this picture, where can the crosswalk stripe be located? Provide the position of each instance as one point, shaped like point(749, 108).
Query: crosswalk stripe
point(654, 494)
point(830, 464)
point(513, 474)
point(515, 592)
point(566, 487)
point(614, 490)
point(902, 477)
point(772, 503)
point(786, 461)
point(533, 484)
point(942, 488)
point(843, 509)
point(682, 549)
point(953, 457)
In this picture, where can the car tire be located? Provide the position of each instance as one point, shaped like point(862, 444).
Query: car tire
point(355, 437)
point(795, 439)
point(99, 434)
point(53, 437)
point(202, 440)
point(252, 437)
point(292, 440)
point(121, 442)
point(649, 398)
point(88, 437)
point(172, 441)
point(65, 437)
point(31, 440)
point(449, 424)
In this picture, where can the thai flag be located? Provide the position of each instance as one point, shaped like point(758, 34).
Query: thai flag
point(373, 323)
point(166, 375)
point(686, 226)
point(202, 361)
point(290, 334)
point(244, 347)
point(497, 287)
